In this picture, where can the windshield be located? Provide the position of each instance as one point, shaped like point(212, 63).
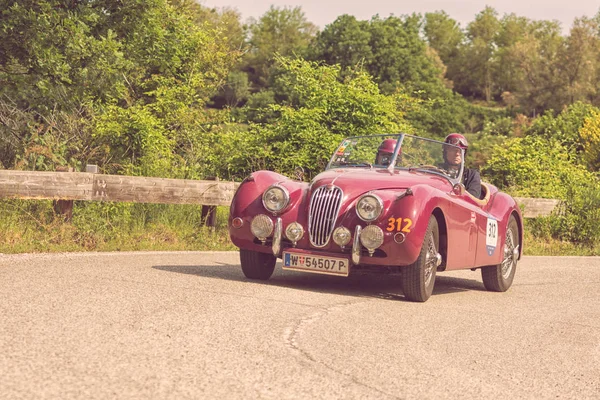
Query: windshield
point(400, 152)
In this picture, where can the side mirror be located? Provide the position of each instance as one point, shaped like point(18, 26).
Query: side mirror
point(299, 173)
point(458, 189)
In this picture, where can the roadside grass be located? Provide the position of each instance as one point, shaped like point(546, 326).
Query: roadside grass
point(542, 246)
point(31, 226)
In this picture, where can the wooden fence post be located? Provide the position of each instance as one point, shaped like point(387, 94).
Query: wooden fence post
point(209, 213)
point(64, 207)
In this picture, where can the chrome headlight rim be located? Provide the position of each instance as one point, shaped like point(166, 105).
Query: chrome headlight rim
point(286, 197)
point(378, 202)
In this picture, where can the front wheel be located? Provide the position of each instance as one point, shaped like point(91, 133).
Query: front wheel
point(256, 265)
point(418, 278)
point(498, 278)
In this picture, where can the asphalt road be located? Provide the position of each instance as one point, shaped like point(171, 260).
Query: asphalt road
point(189, 325)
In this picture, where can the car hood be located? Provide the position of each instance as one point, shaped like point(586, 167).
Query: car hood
point(354, 182)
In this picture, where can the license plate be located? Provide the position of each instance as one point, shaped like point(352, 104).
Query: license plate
point(318, 264)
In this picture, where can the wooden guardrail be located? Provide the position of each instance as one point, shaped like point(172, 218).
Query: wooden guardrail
point(532, 208)
point(99, 187)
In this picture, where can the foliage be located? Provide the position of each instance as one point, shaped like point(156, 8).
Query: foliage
point(324, 106)
point(443, 34)
point(32, 226)
point(283, 31)
point(441, 115)
point(590, 140)
point(537, 167)
point(237, 88)
point(57, 56)
point(478, 57)
point(565, 127)
point(121, 85)
point(391, 50)
point(534, 167)
point(578, 219)
point(172, 88)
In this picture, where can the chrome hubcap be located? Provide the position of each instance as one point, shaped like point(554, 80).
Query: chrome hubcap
point(432, 260)
point(511, 253)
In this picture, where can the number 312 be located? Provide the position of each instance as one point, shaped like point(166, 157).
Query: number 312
point(399, 224)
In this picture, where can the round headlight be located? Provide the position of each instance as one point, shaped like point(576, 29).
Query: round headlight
point(294, 232)
point(369, 207)
point(371, 237)
point(276, 198)
point(341, 236)
point(261, 226)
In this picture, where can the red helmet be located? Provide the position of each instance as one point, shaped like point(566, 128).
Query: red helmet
point(458, 140)
point(385, 151)
point(387, 146)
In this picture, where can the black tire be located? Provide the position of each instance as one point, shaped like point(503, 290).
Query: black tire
point(257, 265)
point(418, 278)
point(498, 278)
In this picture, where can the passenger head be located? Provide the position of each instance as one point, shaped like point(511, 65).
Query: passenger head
point(453, 155)
point(385, 152)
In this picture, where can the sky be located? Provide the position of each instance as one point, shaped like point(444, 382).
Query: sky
point(323, 12)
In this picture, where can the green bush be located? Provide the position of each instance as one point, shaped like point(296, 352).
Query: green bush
point(536, 167)
point(564, 127)
point(303, 131)
point(577, 219)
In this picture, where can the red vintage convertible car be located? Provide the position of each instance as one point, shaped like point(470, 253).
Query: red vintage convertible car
point(406, 212)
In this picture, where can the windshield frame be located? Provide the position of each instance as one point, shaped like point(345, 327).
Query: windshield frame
point(392, 166)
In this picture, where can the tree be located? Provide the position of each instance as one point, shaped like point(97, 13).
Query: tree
point(123, 82)
point(579, 61)
point(283, 31)
point(305, 129)
point(509, 74)
point(226, 21)
point(57, 56)
point(237, 88)
point(537, 55)
point(479, 56)
point(446, 37)
point(391, 50)
point(346, 42)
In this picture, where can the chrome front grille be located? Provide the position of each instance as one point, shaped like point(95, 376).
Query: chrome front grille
point(324, 208)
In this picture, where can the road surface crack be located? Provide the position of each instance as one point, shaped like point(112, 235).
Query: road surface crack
point(292, 333)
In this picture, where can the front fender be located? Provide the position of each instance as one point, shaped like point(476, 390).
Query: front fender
point(247, 203)
point(406, 212)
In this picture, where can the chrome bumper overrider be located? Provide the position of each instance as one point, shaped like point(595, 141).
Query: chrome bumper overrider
point(356, 246)
point(277, 237)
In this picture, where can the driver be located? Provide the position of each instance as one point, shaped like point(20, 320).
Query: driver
point(452, 159)
point(385, 152)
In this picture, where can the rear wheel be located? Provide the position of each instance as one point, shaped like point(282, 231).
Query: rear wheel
point(498, 278)
point(418, 278)
point(256, 265)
